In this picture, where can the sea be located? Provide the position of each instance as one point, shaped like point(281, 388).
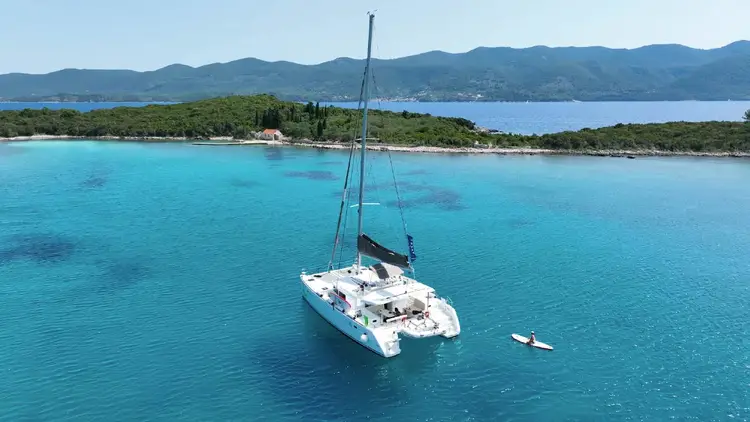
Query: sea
point(160, 282)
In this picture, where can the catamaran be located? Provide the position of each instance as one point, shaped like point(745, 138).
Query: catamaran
point(375, 304)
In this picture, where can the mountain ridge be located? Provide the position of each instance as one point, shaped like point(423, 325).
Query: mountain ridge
point(537, 73)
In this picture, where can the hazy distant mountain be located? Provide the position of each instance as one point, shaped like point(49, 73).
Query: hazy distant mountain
point(656, 72)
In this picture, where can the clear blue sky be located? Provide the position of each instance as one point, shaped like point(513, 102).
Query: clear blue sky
point(40, 36)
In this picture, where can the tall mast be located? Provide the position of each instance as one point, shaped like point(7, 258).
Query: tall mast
point(363, 142)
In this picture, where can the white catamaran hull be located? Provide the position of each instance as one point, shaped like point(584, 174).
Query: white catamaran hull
point(350, 328)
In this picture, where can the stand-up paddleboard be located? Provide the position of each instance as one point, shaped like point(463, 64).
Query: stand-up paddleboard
point(537, 344)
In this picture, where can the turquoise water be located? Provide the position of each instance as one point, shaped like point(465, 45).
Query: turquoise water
point(159, 282)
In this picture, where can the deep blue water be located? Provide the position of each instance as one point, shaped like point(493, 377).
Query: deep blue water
point(539, 118)
point(76, 106)
point(528, 118)
point(159, 282)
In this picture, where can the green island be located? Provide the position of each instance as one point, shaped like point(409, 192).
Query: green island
point(243, 117)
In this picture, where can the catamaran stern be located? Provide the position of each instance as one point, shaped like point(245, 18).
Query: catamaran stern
point(384, 342)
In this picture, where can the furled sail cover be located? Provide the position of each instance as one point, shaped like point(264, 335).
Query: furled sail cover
point(371, 248)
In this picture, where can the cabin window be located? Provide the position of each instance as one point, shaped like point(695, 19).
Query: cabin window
point(340, 293)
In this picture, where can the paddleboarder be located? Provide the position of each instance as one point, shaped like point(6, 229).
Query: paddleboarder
point(532, 342)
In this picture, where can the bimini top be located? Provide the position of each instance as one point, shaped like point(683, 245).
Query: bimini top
point(377, 273)
point(391, 293)
point(385, 271)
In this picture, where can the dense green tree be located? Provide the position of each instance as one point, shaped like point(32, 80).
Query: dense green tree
point(747, 116)
point(241, 133)
point(238, 116)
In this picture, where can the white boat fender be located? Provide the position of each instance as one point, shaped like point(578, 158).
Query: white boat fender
point(363, 337)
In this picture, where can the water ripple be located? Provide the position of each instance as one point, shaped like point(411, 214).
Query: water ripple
point(168, 293)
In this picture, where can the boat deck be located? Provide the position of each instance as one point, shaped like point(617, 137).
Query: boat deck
point(416, 319)
point(321, 284)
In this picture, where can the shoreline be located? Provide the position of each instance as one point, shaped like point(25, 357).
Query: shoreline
point(229, 141)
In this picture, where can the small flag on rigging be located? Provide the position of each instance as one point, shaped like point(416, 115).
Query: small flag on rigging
point(412, 255)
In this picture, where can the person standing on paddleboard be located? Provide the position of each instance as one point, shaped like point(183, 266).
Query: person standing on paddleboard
point(532, 339)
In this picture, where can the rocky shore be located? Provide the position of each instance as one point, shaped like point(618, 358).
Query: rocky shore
point(522, 151)
point(394, 148)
